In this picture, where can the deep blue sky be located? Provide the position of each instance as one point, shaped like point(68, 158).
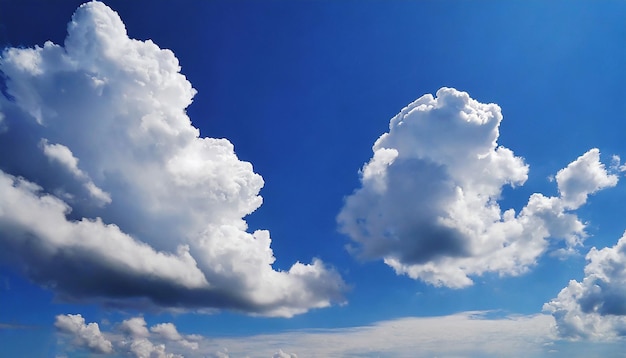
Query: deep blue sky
point(304, 88)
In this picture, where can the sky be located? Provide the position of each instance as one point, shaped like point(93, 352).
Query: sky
point(312, 178)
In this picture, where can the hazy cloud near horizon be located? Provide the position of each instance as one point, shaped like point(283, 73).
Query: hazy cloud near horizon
point(112, 196)
point(467, 334)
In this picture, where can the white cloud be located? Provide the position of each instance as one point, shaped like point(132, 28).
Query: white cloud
point(135, 327)
point(134, 337)
point(583, 177)
point(101, 120)
point(467, 334)
point(281, 354)
point(131, 337)
point(84, 335)
point(596, 307)
point(428, 202)
point(64, 156)
point(169, 332)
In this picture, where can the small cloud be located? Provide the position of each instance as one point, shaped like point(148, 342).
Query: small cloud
point(83, 335)
point(565, 253)
point(594, 308)
point(14, 326)
point(281, 354)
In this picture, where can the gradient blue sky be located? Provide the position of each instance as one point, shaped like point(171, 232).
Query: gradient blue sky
point(303, 89)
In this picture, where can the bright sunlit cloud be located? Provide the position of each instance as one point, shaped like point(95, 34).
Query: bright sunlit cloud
point(482, 221)
point(428, 204)
point(115, 198)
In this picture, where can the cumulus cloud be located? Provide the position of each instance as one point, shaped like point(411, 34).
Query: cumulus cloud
point(131, 337)
point(596, 307)
point(583, 177)
point(111, 195)
point(84, 335)
point(169, 332)
point(428, 201)
point(466, 334)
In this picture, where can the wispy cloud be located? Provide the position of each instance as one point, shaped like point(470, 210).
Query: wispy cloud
point(14, 326)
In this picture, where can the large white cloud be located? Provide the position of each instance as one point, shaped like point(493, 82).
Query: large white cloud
point(110, 194)
point(428, 201)
point(596, 307)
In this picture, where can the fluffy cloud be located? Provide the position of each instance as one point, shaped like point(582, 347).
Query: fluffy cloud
point(84, 335)
point(428, 201)
point(111, 195)
point(169, 332)
point(131, 337)
point(581, 178)
point(596, 307)
point(136, 339)
point(467, 334)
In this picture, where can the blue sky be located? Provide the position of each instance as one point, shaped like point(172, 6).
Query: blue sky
point(387, 141)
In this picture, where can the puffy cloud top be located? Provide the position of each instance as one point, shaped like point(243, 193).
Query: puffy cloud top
point(111, 194)
point(428, 201)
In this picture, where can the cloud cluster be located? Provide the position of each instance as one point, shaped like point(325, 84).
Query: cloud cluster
point(463, 334)
point(131, 337)
point(428, 201)
point(596, 307)
point(84, 335)
point(110, 194)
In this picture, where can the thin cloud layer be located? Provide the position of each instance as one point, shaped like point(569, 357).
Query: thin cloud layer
point(596, 307)
point(111, 195)
point(428, 201)
point(466, 334)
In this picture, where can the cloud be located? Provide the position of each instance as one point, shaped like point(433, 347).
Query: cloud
point(14, 326)
point(135, 327)
point(595, 308)
point(583, 177)
point(169, 332)
point(131, 337)
point(63, 155)
point(281, 354)
point(466, 334)
point(136, 339)
point(428, 201)
point(111, 195)
point(84, 335)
